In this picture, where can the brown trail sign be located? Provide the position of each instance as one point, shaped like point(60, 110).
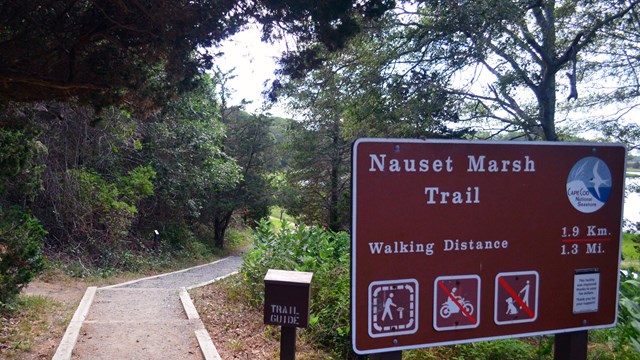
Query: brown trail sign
point(456, 241)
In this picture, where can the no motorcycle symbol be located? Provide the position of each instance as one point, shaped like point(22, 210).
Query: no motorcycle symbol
point(456, 302)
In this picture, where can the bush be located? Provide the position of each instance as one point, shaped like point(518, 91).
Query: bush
point(627, 332)
point(20, 252)
point(20, 173)
point(101, 213)
point(306, 248)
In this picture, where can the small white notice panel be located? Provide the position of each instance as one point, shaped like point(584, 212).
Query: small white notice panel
point(586, 287)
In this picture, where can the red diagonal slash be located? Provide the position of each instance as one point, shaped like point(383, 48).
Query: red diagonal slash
point(596, 240)
point(516, 297)
point(469, 316)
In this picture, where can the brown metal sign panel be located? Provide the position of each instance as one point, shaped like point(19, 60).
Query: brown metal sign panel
point(456, 241)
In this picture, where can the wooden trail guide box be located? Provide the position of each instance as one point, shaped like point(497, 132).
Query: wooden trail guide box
point(286, 298)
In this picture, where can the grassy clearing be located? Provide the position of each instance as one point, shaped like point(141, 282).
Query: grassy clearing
point(632, 170)
point(277, 216)
point(238, 239)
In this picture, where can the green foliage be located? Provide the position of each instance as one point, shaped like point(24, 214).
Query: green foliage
point(499, 64)
point(137, 184)
point(313, 249)
point(20, 174)
point(366, 90)
point(319, 174)
point(20, 252)
point(631, 246)
point(249, 143)
point(102, 211)
point(184, 144)
point(533, 348)
point(238, 237)
point(627, 333)
point(16, 151)
point(147, 56)
point(513, 349)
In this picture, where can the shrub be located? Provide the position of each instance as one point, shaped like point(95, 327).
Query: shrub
point(101, 212)
point(627, 332)
point(306, 248)
point(20, 173)
point(20, 252)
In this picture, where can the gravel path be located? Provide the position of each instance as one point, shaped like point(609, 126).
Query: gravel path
point(150, 318)
point(188, 278)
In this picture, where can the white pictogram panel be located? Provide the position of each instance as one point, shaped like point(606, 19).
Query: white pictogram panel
point(393, 307)
point(456, 302)
point(516, 297)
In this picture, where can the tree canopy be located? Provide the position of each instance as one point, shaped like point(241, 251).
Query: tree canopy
point(499, 65)
point(141, 52)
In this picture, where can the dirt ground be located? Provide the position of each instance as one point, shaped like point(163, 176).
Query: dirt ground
point(63, 292)
point(238, 330)
point(48, 329)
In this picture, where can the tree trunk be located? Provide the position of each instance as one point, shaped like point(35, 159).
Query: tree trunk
point(546, 91)
point(547, 106)
point(334, 223)
point(220, 228)
point(333, 216)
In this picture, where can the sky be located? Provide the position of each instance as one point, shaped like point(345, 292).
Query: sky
point(254, 63)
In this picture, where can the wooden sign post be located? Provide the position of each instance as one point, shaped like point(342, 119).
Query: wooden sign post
point(287, 297)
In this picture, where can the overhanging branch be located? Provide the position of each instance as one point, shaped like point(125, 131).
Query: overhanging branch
point(51, 84)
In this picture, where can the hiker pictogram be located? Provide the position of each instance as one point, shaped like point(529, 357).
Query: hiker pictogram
point(516, 297)
point(393, 307)
point(456, 302)
point(387, 307)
